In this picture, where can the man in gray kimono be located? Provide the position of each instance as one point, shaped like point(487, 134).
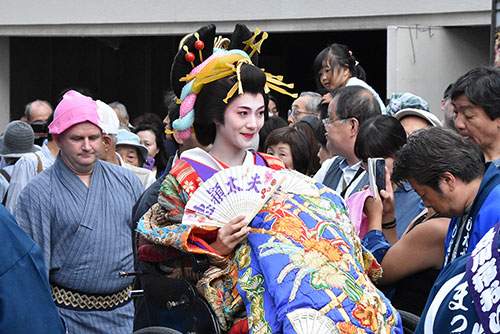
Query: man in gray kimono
point(79, 212)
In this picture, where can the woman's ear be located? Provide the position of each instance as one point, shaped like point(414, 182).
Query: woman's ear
point(179, 140)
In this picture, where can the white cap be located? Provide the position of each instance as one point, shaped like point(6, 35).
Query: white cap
point(426, 115)
point(110, 121)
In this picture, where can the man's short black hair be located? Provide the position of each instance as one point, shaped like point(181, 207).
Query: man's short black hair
point(434, 151)
point(481, 86)
point(447, 92)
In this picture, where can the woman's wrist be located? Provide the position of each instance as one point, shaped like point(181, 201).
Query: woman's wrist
point(374, 222)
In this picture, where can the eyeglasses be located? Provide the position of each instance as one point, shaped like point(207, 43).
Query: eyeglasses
point(295, 112)
point(327, 122)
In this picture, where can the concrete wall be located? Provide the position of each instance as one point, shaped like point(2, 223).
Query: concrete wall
point(424, 61)
point(134, 17)
point(4, 82)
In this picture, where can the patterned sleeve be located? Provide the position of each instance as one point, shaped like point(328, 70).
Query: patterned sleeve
point(161, 224)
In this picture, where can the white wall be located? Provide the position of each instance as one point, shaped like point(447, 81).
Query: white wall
point(4, 83)
point(134, 17)
point(435, 60)
point(425, 63)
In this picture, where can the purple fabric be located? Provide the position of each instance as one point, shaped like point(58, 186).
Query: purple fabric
point(259, 161)
point(203, 171)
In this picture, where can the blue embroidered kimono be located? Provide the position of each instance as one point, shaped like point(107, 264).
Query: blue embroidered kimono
point(302, 264)
point(304, 270)
point(484, 214)
point(85, 234)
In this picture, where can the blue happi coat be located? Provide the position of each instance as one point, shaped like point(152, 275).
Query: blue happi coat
point(85, 235)
point(484, 213)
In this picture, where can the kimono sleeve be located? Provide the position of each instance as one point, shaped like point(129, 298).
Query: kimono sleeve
point(32, 213)
point(24, 171)
point(164, 218)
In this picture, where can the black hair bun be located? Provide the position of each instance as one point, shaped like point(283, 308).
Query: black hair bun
point(181, 67)
point(241, 34)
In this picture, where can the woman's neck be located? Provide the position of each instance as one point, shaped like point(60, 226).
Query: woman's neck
point(230, 156)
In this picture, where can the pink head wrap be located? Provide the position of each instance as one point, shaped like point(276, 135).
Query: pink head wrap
point(74, 108)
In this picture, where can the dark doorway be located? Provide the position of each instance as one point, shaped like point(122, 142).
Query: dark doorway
point(136, 70)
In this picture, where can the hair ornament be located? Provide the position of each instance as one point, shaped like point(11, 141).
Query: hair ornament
point(273, 81)
point(199, 45)
point(189, 56)
point(221, 43)
point(250, 43)
point(220, 64)
point(173, 132)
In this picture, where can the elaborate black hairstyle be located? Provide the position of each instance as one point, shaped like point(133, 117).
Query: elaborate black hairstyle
point(206, 35)
point(205, 82)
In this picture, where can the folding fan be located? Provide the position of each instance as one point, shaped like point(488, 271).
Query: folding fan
point(298, 183)
point(232, 192)
point(311, 321)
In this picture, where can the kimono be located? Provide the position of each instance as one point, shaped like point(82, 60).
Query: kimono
point(301, 265)
point(86, 237)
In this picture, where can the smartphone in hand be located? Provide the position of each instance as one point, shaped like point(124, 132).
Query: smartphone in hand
point(376, 174)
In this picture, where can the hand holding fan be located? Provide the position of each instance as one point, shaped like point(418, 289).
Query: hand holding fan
point(232, 192)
